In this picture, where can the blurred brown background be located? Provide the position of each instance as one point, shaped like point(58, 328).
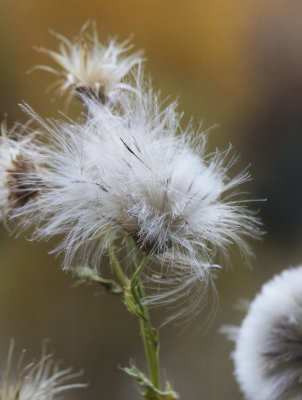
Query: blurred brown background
point(235, 63)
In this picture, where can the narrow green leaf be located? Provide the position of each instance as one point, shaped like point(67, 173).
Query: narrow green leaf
point(131, 304)
point(87, 274)
point(151, 392)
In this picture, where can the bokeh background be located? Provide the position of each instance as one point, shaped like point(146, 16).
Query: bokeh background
point(235, 63)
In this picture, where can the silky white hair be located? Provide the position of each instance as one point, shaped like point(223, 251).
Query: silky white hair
point(268, 344)
point(38, 380)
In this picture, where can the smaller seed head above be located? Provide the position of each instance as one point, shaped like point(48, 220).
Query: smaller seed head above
point(91, 68)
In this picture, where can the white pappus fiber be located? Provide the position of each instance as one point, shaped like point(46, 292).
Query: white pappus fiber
point(38, 380)
point(131, 171)
point(268, 349)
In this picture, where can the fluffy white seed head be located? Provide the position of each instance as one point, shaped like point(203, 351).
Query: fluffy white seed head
point(38, 380)
point(268, 347)
point(133, 172)
point(90, 67)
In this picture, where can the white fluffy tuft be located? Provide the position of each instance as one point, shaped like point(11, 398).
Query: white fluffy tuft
point(131, 171)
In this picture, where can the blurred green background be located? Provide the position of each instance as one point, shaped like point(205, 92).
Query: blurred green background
point(235, 63)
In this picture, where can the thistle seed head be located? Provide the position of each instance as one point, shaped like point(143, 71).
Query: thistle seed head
point(131, 171)
point(128, 170)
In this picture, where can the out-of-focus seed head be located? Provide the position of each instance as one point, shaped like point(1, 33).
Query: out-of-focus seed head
point(268, 344)
point(38, 380)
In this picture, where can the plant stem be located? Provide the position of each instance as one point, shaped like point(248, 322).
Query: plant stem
point(117, 268)
point(148, 333)
point(151, 345)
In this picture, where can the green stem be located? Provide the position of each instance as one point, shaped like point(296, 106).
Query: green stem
point(117, 268)
point(151, 346)
point(148, 333)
